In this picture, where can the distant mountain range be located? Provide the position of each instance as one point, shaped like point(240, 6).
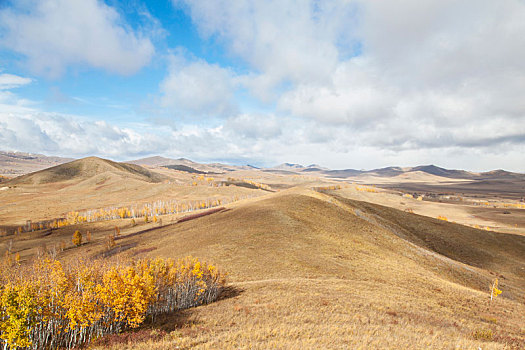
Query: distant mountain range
point(189, 164)
point(394, 171)
point(17, 163)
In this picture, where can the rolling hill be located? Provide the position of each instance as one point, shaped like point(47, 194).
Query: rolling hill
point(312, 270)
point(306, 269)
point(86, 168)
point(161, 161)
point(16, 163)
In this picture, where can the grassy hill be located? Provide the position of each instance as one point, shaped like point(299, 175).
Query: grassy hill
point(86, 168)
point(313, 270)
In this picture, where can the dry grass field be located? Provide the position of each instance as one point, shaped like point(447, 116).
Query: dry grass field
point(335, 269)
point(496, 216)
point(310, 273)
point(94, 183)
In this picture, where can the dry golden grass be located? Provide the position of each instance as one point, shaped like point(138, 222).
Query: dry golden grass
point(460, 212)
point(331, 314)
point(94, 183)
point(313, 270)
point(312, 275)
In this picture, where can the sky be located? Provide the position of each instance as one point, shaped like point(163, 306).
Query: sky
point(341, 83)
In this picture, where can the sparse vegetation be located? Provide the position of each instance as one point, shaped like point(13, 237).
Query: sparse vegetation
point(110, 242)
point(145, 211)
point(483, 334)
point(328, 188)
point(366, 189)
point(494, 291)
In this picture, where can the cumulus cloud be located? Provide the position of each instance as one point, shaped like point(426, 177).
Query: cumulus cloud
point(53, 34)
point(284, 40)
point(61, 134)
point(75, 136)
point(395, 76)
point(194, 87)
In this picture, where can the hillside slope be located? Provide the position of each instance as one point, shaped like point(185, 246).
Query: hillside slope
point(314, 270)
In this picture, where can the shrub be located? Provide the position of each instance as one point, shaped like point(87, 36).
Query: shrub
point(483, 334)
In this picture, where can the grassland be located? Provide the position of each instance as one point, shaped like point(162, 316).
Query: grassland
point(316, 270)
point(312, 274)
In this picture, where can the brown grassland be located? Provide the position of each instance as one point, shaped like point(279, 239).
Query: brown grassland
point(306, 269)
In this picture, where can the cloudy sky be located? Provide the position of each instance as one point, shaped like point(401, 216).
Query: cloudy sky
point(342, 83)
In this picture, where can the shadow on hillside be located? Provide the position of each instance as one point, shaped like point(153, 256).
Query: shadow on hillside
point(183, 318)
point(228, 292)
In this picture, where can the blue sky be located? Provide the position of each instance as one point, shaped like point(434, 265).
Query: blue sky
point(346, 84)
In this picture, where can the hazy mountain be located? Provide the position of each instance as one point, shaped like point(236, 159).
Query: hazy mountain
point(20, 163)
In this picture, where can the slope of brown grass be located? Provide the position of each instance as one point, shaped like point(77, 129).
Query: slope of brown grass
point(315, 273)
point(500, 253)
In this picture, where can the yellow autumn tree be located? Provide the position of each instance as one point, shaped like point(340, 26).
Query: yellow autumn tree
point(52, 305)
point(77, 238)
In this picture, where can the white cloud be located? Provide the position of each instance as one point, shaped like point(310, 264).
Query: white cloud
point(10, 81)
point(197, 88)
point(73, 136)
point(254, 126)
point(283, 40)
point(430, 75)
point(53, 34)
